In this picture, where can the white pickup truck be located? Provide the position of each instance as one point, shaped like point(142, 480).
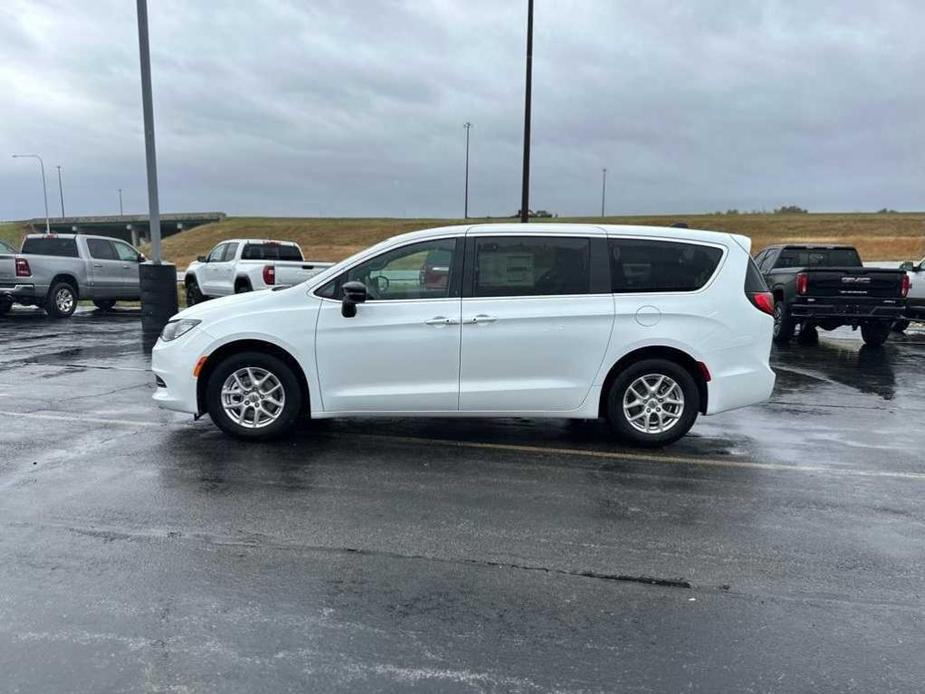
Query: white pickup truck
point(245, 265)
point(915, 302)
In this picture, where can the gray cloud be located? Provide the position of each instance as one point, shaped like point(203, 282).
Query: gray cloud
point(356, 108)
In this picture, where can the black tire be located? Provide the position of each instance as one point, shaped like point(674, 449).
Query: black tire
point(242, 286)
point(291, 401)
point(619, 417)
point(104, 304)
point(808, 335)
point(193, 294)
point(875, 334)
point(900, 325)
point(6, 305)
point(61, 301)
point(783, 323)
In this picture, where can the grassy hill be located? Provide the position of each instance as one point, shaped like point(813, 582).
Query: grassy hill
point(12, 233)
point(877, 236)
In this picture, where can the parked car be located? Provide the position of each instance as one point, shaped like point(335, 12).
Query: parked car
point(915, 303)
point(826, 287)
point(55, 271)
point(644, 326)
point(243, 265)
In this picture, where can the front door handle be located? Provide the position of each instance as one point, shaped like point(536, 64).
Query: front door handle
point(482, 318)
point(441, 320)
point(97, 265)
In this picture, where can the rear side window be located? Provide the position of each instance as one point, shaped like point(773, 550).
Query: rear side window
point(6, 248)
point(640, 265)
point(531, 266)
point(271, 251)
point(754, 281)
point(49, 245)
point(101, 250)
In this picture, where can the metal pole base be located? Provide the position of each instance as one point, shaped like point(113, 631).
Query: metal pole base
point(158, 297)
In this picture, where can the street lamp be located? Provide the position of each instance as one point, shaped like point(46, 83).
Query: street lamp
point(121, 213)
point(525, 189)
point(61, 191)
point(603, 190)
point(467, 125)
point(44, 188)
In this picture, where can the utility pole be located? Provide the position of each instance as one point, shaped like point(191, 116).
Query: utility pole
point(61, 191)
point(158, 280)
point(121, 213)
point(44, 187)
point(603, 190)
point(468, 126)
point(525, 192)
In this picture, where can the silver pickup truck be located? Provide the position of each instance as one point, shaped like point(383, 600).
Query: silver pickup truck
point(55, 271)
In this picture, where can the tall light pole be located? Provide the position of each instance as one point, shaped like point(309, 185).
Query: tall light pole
point(525, 191)
point(61, 191)
point(158, 280)
point(468, 126)
point(603, 190)
point(121, 213)
point(44, 187)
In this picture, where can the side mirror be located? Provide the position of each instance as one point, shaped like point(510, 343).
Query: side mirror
point(354, 293)
point(202, 259)
point(141, 258)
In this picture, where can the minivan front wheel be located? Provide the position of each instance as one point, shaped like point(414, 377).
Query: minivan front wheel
point(653, 403)
point(254, 396)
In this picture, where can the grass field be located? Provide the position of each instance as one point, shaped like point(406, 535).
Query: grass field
point(877, 236)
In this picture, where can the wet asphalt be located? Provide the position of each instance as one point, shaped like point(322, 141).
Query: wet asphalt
point(776, 548)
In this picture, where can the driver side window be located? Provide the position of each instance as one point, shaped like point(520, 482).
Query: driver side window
point(422, 270)
point(216, 254)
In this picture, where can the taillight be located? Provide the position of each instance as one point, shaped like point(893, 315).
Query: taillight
point(269, 274)
point(904, 286)
point(23, 269)
point(763, 301)
point(802, 283)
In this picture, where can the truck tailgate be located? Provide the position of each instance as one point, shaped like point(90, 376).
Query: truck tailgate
point(291, 272)
point(854, 282)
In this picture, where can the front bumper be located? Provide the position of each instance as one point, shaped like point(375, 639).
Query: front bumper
point(848, 310)
point(173, 363)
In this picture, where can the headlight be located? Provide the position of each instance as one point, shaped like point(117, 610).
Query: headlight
point(178, 328)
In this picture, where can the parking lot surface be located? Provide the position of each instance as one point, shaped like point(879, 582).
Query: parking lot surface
point(777, 548)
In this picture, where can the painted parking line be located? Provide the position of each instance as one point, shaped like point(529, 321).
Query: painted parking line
point(616, 456)
point(78, 420)
point(646, 457)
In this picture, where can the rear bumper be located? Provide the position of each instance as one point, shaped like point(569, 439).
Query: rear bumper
point(18, 292)
point(849, 310)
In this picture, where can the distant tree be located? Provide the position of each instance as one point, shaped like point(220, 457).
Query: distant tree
point(791, 209)
point(732, 211)
point(886, 210)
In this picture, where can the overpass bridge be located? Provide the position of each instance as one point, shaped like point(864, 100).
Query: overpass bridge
point(131, 228)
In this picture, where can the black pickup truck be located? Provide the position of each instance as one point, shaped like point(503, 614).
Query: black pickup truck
point(827, 287)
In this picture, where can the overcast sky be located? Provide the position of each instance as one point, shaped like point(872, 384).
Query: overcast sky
point(334, 108)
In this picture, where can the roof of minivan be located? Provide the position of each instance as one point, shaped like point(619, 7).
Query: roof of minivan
point(610, 229)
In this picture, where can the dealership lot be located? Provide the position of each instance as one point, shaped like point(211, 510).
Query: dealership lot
point(776, 548)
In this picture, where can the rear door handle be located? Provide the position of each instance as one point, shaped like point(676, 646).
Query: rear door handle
point(482, 318)
point(442, 320)
point(97, 265)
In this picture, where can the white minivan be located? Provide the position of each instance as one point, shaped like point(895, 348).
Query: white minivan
point(643, 326)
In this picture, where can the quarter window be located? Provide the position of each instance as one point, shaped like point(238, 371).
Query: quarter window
point(230, 250)
point(417, 271)
point(640, 265)
point(531, 266)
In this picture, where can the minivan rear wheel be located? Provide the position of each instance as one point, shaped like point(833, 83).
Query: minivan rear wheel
point(252, 395)
point(652, 403)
